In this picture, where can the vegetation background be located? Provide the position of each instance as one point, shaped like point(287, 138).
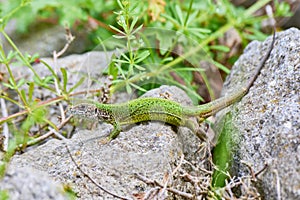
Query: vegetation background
point(156, 42)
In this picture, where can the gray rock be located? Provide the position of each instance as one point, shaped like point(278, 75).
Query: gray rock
point(29, 183)
point(188, 141)
point(44, 39)
point(149, 149)
point(266, 122)
point(89, 65)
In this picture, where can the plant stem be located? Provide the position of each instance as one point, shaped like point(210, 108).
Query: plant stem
point(20, 54)
point(255, 7)
point(188, 13)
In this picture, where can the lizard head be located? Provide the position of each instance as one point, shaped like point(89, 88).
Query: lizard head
point(89, 112)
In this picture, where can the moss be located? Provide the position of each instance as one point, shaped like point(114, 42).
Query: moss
point(223, 152)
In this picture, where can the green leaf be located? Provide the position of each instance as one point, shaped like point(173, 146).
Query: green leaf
point(30, 91)
point(167, 59)
point(186, 75)
point(137, 29)
point(283, 9)
point(128, 88)
point(179, 14)
point(10, 55)
point(70, 13)
point(77, 84)
point(9, 86)
point(21, 82)
point(118, 30)
point(165, 39)
point(37, 81)
point(138, 87)
point(112, 69)
point(199, 30)
point(4, 194)
point(192, 16)
point(120, 4)
point(142, 56)
point(65, 78)
point(120, 70)
point(24, 19)
point(122, 23)
point(50, 69)
point(221, 67)
point(121, 61)
point(48, 80)
point(223, 152)
point(139, 67)
point(126, 58)
point(119, 36)
point(39, 114)
point(193, 69)
point(50, 123)
point(11, 81)
point(33, 58)
point(220, 48)
point(135, 19)
point(23, 94)
point(43, 82)
point(43, 5)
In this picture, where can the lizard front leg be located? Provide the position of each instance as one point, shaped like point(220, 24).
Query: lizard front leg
point(115, 132)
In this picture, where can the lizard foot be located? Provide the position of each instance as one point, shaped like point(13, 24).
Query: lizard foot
point(104, 140)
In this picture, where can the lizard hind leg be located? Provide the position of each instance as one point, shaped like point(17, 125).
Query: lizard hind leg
point(197, 130)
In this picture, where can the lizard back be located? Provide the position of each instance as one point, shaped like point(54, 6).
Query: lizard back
point(147, 109)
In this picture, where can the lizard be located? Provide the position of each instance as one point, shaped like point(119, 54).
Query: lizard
point(159, 109)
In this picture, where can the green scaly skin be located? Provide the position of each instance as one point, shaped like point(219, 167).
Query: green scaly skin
point(147, 109)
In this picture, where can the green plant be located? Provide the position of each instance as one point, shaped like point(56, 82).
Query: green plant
point(4, 195)
point(147, 55)
point(34, 113)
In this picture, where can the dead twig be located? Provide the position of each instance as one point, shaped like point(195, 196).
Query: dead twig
point(278, 190)
point(156, 183)
point(48, 134)
point(173, 173)
point(70, 39)
point(5, 126)
point(252, 172)
point(260, 171)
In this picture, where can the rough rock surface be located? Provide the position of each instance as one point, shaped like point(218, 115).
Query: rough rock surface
point(29, 183)
point(149, 149)
point(45, 38)
point(267, 119)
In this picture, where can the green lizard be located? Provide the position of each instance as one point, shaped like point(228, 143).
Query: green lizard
point(158, 109)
